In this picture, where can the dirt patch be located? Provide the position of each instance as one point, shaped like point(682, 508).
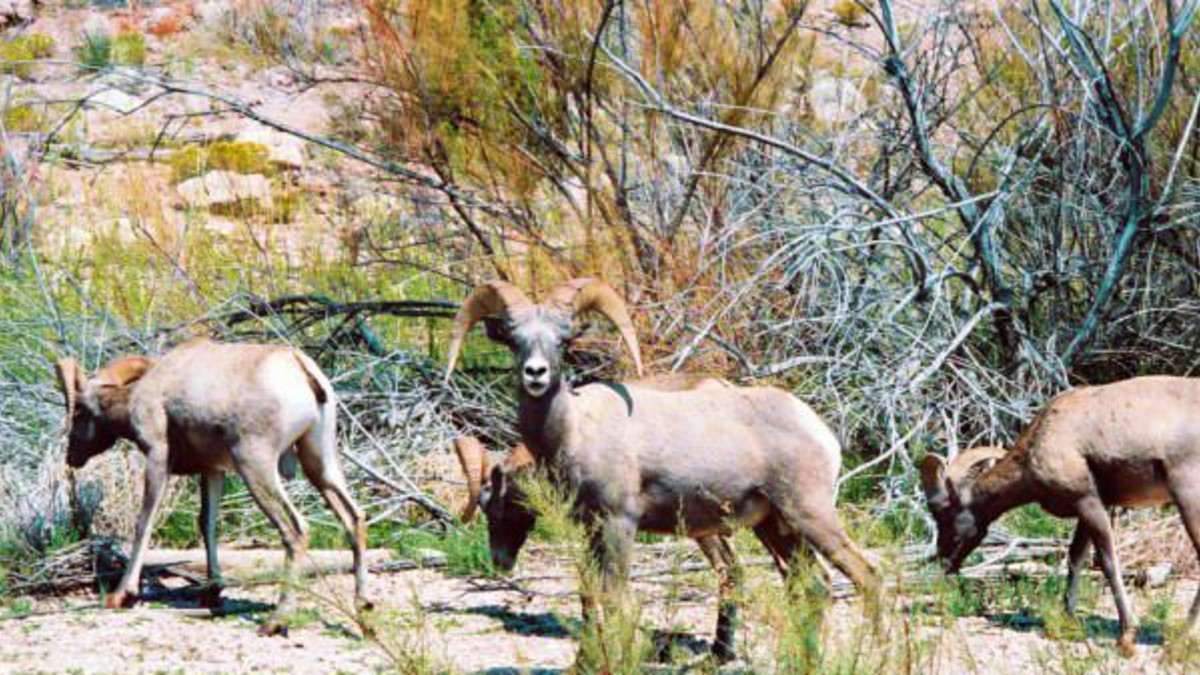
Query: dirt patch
point(530, 623)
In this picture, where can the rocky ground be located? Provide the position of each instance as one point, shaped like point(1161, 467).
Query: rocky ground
point(438, 623)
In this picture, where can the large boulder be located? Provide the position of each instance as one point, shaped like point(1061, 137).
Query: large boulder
point(284, 150)
point(225, 189)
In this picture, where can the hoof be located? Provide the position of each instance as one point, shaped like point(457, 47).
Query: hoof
point(1125, 646)
point(120, 600)
point(273, 627)
point(723, 654)
point(210, 598)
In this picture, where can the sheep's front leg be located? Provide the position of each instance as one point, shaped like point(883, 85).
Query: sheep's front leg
point(1094, 518)
point(612, 550)
point(156, 486)
point(724, 561)
point(1076, 559)
point(212, 486)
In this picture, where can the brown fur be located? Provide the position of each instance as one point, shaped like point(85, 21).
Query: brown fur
point(208, 408)
point(1133, 443)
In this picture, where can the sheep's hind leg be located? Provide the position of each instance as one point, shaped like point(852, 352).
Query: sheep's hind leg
point(1186, 494)
point(324, 472)
point(259, 468)
point(1094, 517)
point(1076, 560)
point(724, 561)
point(212, 486)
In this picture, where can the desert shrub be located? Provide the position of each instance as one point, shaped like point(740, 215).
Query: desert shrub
point(166, 26)
point(16, 59)
point(40, 45)
point(95, 51)
point(235, 156)
point(22, 118)
point(129, 48)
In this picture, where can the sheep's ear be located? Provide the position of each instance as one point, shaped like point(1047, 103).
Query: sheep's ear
point(933, 479)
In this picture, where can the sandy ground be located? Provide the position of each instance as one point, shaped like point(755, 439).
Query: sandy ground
point(528, 624)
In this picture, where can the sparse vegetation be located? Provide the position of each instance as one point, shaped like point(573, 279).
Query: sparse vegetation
point(923, 220)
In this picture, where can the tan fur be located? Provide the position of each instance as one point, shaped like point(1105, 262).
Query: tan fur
point(207, 408)
point(1132, 443)
point(694, 460)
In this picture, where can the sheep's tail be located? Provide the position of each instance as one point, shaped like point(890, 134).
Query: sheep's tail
point(314, 378)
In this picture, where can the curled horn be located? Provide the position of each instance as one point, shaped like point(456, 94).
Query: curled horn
point(473, 457)
point(70, 377)
point(125, 370)
point(579, 296)
point(493, 298)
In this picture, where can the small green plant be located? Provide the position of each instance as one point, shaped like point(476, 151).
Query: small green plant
point(129, 48)
point(95, 51)
point(466, 549)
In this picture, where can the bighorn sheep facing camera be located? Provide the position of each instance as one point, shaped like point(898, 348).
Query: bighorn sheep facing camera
point(1133, 443)
point(497, 492)
point(693, 460)
point(208, 408)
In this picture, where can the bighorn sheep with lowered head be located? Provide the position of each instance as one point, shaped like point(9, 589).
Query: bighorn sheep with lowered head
point(208, 408)
point(1132, 443)
point(694, 461)
point(496, 491)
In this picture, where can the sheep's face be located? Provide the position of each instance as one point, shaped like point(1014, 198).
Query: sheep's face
point(509, 519)
point(90, 432)
point(959, 533)
point(537, 342)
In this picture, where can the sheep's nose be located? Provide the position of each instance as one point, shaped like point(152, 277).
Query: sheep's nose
point(535, 372)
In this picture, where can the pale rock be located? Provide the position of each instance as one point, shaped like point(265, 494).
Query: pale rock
point(114, 100)
point(284, 150)
point(211, 12)
point(225, 188)
point(1157, 575)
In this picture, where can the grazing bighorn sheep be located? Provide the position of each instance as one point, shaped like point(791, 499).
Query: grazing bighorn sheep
point(694, 460)
point(208, 408)
point(497, 492)
point(1132, 443)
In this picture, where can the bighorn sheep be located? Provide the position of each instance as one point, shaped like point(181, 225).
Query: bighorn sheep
point(695, 460)
point(1133, 443)
point(497, 492)
point(208, 408)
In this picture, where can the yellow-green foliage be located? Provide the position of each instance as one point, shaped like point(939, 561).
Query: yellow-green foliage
point(16, 54)
point(848, 12)
point(129, 48)
point(235, 156)
point(22, 119)
point(16, 58)
point(39, 44)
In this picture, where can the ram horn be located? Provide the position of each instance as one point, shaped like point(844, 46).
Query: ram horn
point(473, 457)
point(70, 378)
point(579, 296)
point(493, 298)
point(124, 371)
